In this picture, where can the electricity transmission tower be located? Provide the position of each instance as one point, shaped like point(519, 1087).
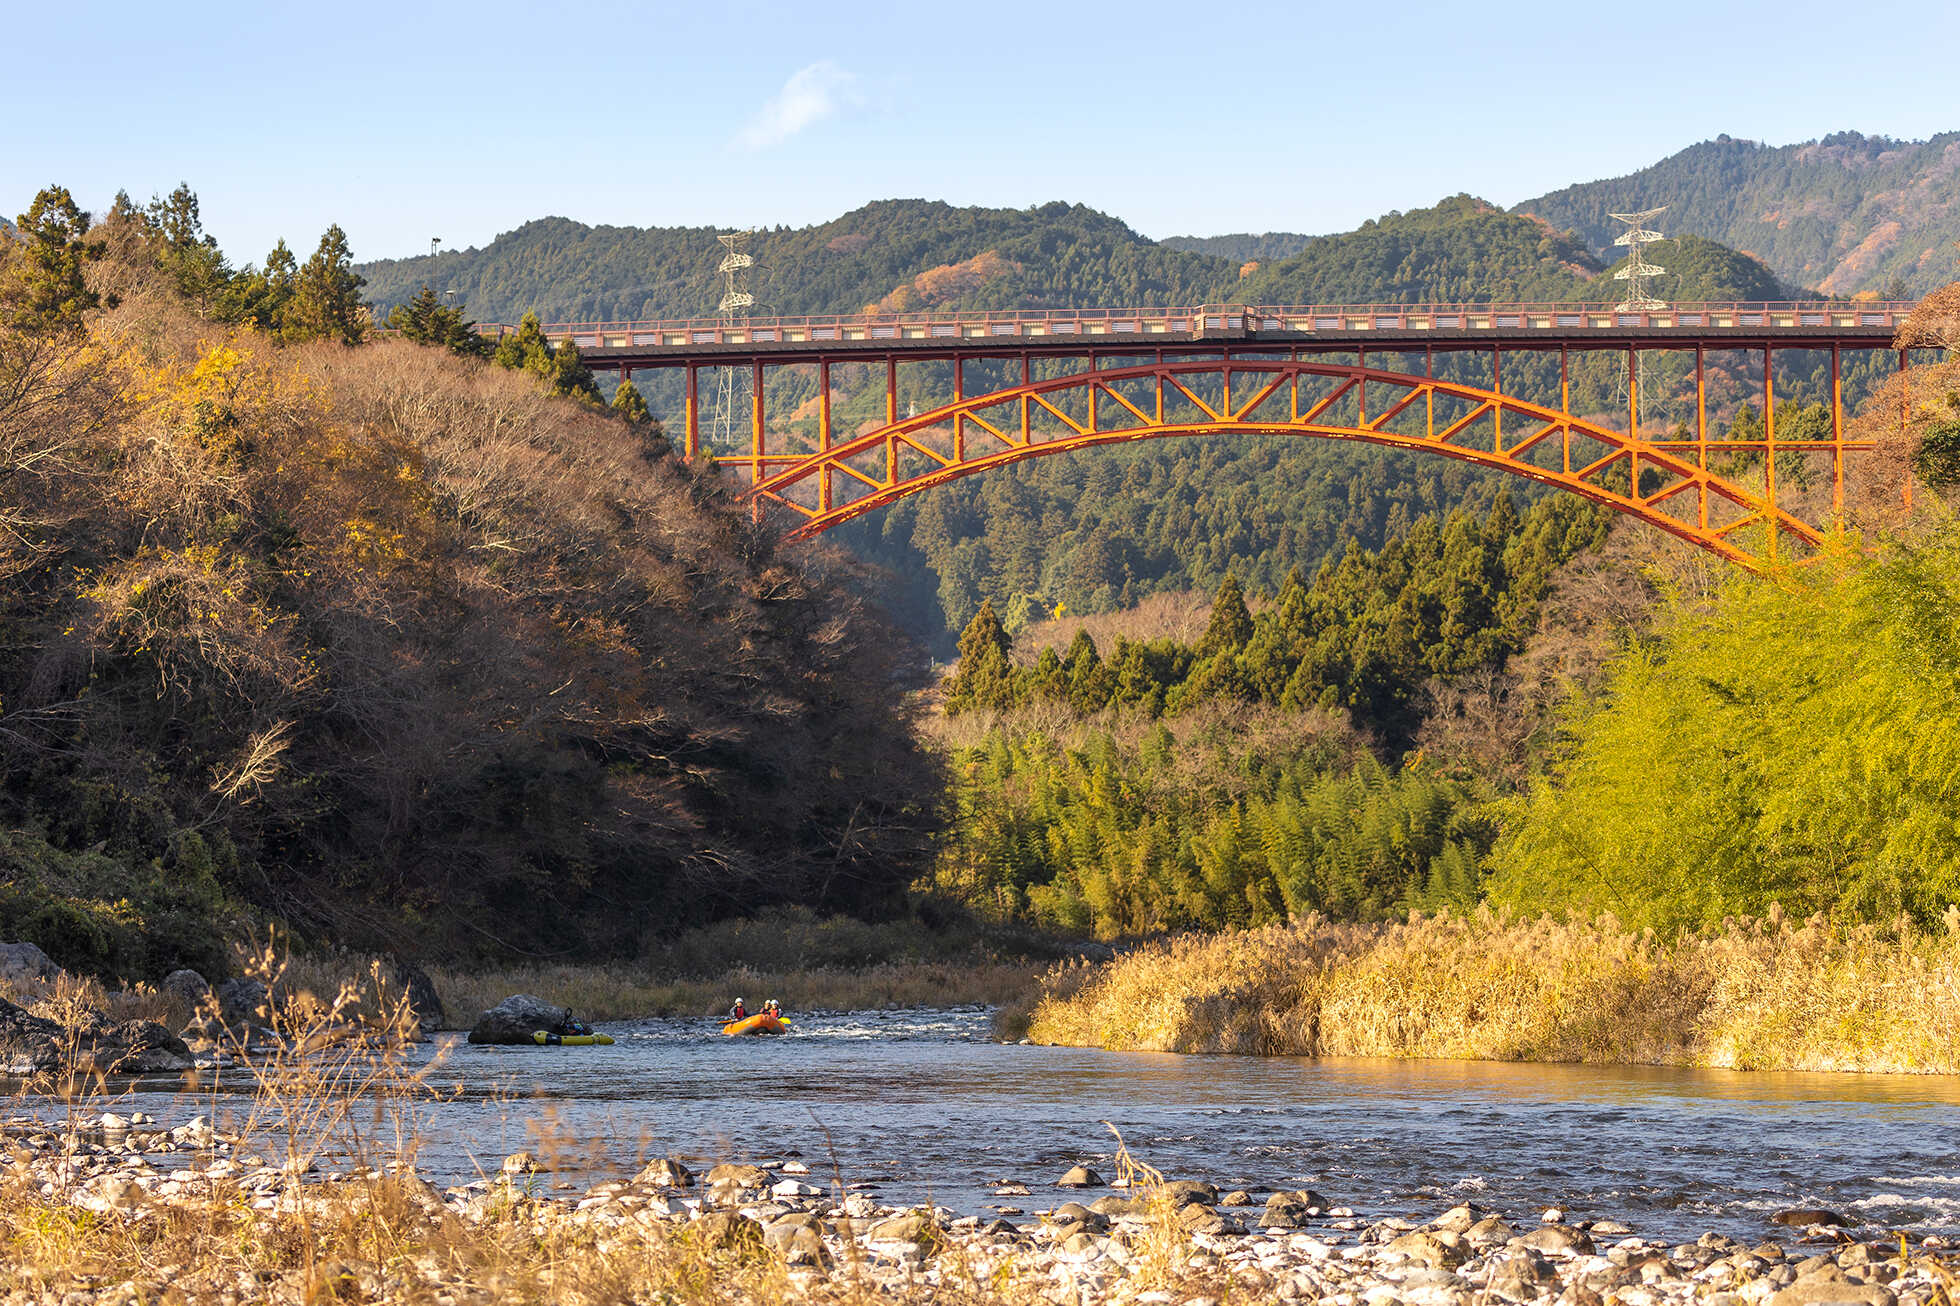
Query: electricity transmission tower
point(737, 303)
point(1639, 275)
point(1638, 272)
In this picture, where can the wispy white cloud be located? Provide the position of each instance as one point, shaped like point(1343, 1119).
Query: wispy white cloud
point(808, 97)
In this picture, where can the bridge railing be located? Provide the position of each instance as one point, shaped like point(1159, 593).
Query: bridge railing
point(683, 333)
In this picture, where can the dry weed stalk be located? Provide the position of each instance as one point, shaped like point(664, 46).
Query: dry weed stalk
point(1758, 994)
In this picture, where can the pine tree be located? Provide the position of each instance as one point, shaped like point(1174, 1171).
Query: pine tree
point(326, 303)
point(1230, 628)
point(525, 349)
point(184, 249)
point(426, 320)
point(986, 676)
point(570, 375)
point(627, 404)
point(51, 292)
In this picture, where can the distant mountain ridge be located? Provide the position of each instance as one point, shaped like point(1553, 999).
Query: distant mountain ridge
point(1265, 247)
point(891, 253)
point(1846, 213)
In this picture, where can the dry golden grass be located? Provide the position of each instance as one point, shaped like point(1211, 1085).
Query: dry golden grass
point(338, 1087)
point(624, 993)
point(1759, 995)
point(1181, 616)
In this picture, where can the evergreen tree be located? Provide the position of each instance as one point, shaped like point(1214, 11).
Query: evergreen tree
point(524, 349)
point(985, 677)
point(51, 265)
point(259, 296)
point(569, 374)
point(428, 321)
point(1230, 628)
point(628, 404)
point(326, 303)
point(184, 249)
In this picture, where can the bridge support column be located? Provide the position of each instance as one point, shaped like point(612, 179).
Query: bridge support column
point(1497, 388)
point(1769, 448)
point(1701, 426)
point(691, 422)
point(891, 418)
point(1837, 439)
point(823, 434)
point(756, 450)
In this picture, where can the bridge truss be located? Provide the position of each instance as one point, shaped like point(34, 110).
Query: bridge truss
point(1757, 500)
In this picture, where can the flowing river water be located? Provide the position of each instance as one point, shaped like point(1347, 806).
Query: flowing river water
point(924, 1105)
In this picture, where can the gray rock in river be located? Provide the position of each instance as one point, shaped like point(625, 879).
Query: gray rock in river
point(423, 1000)
point(516, 1018)
point(1802, 1217)
point(31, 1044)
point(738, 1176)
point(25, 961)
point(28, 1043)
point(187, 989)
point(244, 1002)
point(1080, 1176)
point(1183, 1192)
point(665, 1172)
point(1291, 1210)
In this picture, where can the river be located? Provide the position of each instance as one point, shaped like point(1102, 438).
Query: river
point(918, 1105)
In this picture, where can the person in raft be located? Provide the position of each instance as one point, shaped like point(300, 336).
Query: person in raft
point(738, 1011)
point(773, 1008)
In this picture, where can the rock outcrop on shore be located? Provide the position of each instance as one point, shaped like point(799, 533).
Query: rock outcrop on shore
point(32, 1042)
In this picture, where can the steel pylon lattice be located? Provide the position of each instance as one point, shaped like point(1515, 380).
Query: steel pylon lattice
point(736, 304)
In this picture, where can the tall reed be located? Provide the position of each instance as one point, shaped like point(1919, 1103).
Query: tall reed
point(1758, 994)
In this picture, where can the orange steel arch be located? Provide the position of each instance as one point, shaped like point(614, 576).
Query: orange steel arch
point(1657, 473)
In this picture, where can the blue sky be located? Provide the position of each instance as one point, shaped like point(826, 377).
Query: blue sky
point(409, 121)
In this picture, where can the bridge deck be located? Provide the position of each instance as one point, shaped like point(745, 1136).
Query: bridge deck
point(653, 344)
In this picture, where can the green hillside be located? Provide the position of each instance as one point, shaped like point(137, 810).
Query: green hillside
point(1110, 527)
point(1267, 246)
point(1847, 213)
point(898, 255)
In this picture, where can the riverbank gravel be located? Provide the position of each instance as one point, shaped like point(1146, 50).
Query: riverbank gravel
point(1176, 1244)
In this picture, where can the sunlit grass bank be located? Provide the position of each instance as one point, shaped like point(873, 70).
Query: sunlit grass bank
point(1758, 994)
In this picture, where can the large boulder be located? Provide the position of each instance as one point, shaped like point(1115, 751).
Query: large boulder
point(24, 961)
point(244, 1002)
point(141, 1047)
point(423, 999)
point(32, 1043)
point(516, 1018)
point(186, 988)
point(29, 1044)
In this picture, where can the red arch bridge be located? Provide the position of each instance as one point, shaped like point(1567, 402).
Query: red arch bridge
point(1493, 384)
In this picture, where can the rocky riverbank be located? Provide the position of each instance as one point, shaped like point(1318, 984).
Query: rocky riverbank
point(193, 1214)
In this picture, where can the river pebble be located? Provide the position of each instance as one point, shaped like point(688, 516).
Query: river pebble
point(1180, 1243)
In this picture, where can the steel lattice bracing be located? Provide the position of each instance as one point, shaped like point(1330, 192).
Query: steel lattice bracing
point(1669, 483)
point(1088, 378)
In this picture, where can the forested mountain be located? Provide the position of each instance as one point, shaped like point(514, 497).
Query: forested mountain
point(1847, 213)
point(390, 646)
point(1109, 527)
point(1464, 251)
point(890, 256)
point(1244, 246)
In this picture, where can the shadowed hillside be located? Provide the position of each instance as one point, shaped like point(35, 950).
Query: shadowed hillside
point(396, 648)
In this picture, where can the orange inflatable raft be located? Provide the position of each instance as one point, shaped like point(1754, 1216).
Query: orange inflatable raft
point(760, 1023)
